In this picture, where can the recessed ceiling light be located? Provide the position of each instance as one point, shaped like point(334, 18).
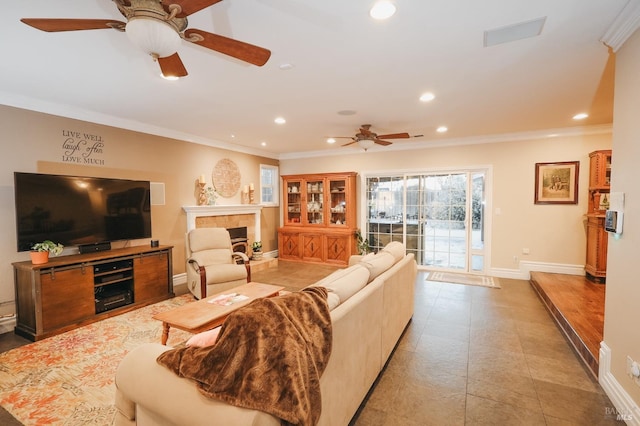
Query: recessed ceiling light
point(331, 140)
point(286, 67)
point(280, 120)
point(382, 10)
point(169, 77)
point(263, 143)
point(427, 97)
point(346, 112)
point(442, 129)
point(580, 116)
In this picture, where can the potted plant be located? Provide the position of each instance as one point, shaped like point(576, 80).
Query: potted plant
point(256, 247)
point(41, 251)
point(361, 243)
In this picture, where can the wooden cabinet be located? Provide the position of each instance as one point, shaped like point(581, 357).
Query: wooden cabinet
point(599, 181)
point(597, 240)
point(72, 291)
point(319, 218)
point(598, 203)
point(150, 272)
point(67, 297)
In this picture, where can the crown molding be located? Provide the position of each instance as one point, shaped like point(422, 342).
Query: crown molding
point(623, 26)
point(472, 140)
point(75, 113)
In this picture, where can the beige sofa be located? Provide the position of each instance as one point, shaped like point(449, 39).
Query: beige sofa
point(372, 301)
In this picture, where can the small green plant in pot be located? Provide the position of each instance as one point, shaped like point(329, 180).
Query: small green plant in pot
point(361, 243)
point(256, 247)
point(41, 251)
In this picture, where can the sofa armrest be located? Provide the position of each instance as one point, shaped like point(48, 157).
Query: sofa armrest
point(242, 256)
point(146, 389)
point(194, 264)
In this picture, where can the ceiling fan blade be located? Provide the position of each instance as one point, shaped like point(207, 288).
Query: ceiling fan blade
point(395, 136)
point(381, 142)
point(350, 143)
point(240, 50)
point(364, 130)
point(172, 66)
point(188, 7)
point(55, 25)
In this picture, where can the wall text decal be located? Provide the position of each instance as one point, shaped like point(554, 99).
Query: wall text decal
point(82, 148)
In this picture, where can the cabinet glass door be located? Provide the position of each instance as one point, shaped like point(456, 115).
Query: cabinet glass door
point(607, 170)
point(294, 202)
point(315, 202)
point(338, 202)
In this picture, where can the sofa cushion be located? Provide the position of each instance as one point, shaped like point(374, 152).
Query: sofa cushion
point(396, 249)
point(345, 282)
point(377, 263)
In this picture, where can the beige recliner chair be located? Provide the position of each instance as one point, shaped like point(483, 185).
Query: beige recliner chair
point(212, 266)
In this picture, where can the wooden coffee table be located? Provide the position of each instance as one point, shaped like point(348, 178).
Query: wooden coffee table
point(211, 311)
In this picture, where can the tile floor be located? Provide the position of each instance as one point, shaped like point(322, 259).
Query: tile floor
point(481, 356)
point(470, 356)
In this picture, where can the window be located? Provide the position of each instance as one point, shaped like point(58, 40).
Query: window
point(269, 185)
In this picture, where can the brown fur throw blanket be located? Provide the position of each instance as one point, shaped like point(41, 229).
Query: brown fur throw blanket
point(269, 356)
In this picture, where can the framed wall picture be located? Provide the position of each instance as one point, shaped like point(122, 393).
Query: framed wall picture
point(557, 183)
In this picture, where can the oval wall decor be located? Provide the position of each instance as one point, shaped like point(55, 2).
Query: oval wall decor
point(226, 178)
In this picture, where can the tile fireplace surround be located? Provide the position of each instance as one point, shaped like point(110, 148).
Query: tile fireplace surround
point(229, 216)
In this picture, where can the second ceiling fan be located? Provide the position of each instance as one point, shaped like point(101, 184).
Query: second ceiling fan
point(366, 138)
point(157, 26)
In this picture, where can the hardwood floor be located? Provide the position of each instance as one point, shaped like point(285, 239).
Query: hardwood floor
point(577, 305)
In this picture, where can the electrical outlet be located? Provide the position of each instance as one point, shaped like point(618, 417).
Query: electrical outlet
point(525, 251)
point(633, 370)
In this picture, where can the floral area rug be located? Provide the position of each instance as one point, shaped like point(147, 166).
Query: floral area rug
point(68, 379)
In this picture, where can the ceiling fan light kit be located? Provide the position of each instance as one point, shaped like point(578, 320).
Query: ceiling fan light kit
point(153, 37)
point(366, 143)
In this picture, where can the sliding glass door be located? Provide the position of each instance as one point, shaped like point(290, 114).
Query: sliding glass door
point(439, 216)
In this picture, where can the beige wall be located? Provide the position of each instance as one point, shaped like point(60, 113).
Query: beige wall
point(622, 315)
point(554, 234)
point(33, 142)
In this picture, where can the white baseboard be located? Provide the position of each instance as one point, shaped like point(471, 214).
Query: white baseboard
point(525, 269)
point(514, 274)
point(7, 324)
point(626, 407)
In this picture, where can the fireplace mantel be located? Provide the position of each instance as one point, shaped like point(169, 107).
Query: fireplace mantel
point(222, 210)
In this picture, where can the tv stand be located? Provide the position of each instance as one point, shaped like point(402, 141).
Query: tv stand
point(72, 291)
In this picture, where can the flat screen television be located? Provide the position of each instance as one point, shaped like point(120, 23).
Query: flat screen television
point(74, 210)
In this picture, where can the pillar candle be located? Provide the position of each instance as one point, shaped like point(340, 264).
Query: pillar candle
point(201, 180)
point(251, 186)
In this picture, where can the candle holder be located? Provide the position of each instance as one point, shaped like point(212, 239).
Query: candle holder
point(251, 195)
point(202, 194)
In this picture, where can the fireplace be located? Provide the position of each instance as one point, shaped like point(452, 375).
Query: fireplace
point(245, 216)
point(239, 241)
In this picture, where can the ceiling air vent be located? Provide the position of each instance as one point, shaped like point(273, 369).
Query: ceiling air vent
point(514, 32)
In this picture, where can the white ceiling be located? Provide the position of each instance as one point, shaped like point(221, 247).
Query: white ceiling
point(342, 60)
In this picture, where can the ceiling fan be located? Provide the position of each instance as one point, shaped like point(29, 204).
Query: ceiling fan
point(366, 138)
point(157, 26)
